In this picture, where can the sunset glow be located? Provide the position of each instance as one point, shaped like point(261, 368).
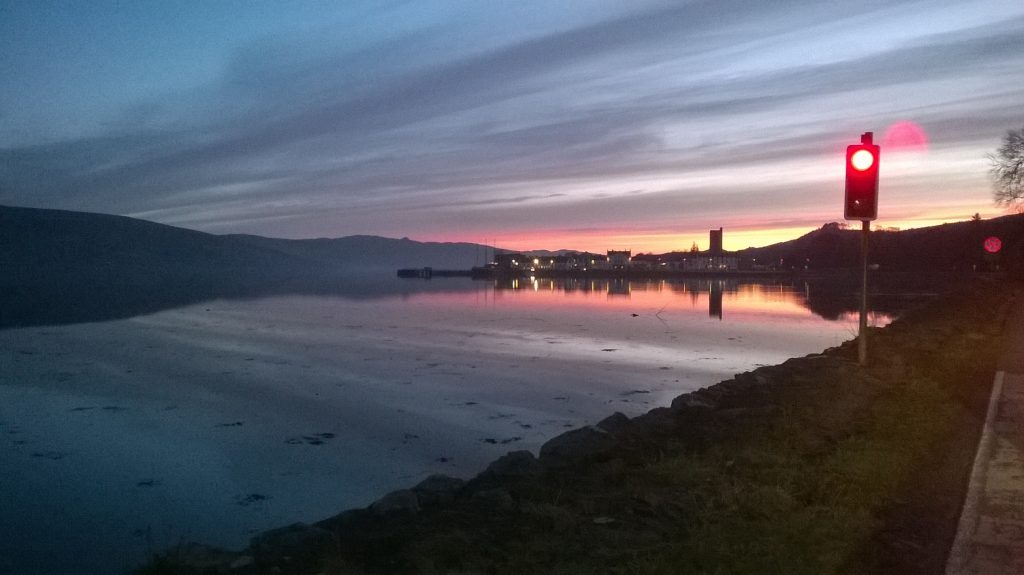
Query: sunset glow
point(588, 126)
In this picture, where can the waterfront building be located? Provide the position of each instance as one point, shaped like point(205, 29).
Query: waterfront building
point(619, 259)
point(715, 248)
point(510, 261)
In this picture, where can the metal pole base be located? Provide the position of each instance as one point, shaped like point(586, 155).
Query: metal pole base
point(862, 338)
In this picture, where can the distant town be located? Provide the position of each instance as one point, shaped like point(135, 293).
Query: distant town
point(714, 260)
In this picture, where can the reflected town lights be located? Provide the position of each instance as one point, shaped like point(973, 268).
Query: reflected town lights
point(718, 297)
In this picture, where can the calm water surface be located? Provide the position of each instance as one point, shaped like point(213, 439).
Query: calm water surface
point(214, 421)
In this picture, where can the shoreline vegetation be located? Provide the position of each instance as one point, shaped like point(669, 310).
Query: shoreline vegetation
point(816, 465)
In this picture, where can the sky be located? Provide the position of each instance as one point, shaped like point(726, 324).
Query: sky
point(530, 125)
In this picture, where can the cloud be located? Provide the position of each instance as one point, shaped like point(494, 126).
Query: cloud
point(509, 130)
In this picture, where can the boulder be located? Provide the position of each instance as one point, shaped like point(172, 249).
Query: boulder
point(202, 557)
point(499, 499)
point(657, 421)
point(403, 501)
point(437, 490)
point(515, 464)
point(615, 424)
point(692, 401)
point(242, 562)
point(575, 445)
point(295, 543)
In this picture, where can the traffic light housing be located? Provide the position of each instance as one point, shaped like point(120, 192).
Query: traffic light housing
point(862, 180)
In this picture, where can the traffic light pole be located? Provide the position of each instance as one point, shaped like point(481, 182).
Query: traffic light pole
point(861, 203)
point(862, 339)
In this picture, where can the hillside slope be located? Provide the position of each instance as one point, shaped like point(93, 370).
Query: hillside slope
point(64, 267)
point(50, 246)
point(373, 253)
point(947, 247)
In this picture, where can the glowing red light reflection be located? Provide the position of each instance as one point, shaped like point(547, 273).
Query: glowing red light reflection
point(993, 244)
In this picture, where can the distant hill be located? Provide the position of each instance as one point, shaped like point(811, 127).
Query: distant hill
point(39, 245)
point(62, 266)
point(943, 248)
point(360, 254)
point(45, 247)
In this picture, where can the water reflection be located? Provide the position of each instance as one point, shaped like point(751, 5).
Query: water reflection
point(715, 301)
point(85, 302)
point(205, 405)
point(717, 295)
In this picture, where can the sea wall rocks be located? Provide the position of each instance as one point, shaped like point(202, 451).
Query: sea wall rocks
point(434, 491)
point(499, 489)
point(697, 416)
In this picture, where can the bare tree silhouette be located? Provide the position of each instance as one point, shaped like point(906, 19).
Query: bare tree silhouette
point(1008, 170)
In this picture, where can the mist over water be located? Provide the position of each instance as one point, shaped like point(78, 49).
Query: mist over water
point(215, 420)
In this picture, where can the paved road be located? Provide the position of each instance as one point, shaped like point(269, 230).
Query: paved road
point(990, 538)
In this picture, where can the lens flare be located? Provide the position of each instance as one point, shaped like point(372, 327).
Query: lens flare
point(905, 136)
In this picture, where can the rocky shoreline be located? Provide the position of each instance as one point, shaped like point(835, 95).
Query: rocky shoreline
point(681, 488)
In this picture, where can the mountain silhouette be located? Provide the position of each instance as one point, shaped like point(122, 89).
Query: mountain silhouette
point(65, 267)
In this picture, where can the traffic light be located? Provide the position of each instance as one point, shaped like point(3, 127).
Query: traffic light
point(862, 180)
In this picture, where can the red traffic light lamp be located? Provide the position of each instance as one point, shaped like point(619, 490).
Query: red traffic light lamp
point(862, 180)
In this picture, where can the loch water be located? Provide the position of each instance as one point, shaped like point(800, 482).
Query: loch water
point(215, 419)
